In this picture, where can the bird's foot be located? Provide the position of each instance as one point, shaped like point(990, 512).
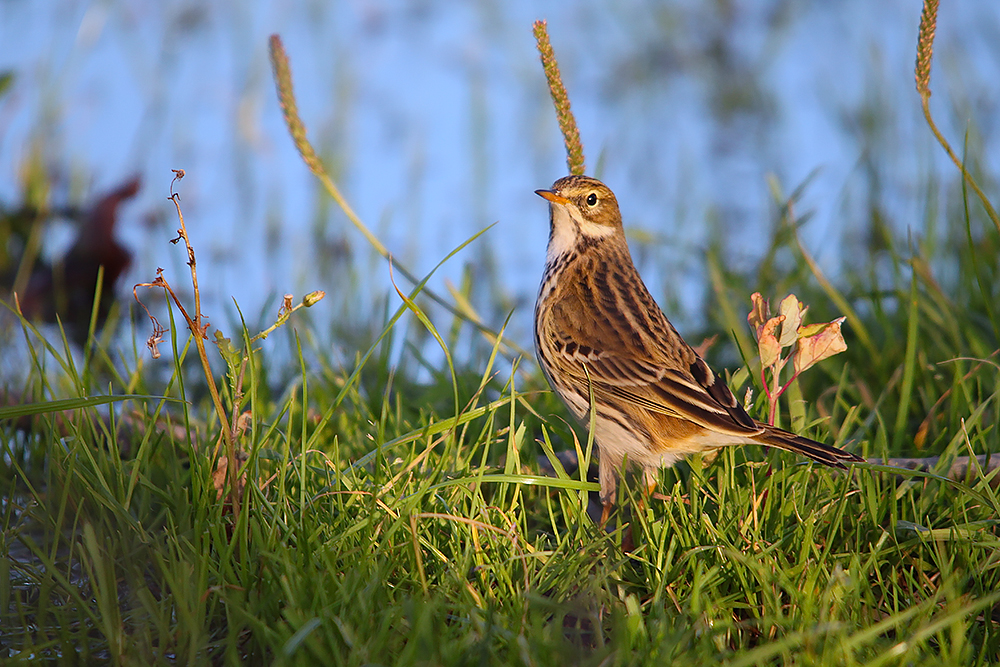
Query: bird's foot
point(605, 515)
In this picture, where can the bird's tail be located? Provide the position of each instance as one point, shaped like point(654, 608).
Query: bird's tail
point(817, 451)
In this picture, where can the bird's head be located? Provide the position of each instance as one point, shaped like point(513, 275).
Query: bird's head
point(584, 201)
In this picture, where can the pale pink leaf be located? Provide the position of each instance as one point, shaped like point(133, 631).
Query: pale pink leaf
point(759, 313)
point(793, 310)
point(767, 342)
point(816, 347)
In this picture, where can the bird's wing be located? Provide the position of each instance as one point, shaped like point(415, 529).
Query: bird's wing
point(668, 378)
point(699, 395)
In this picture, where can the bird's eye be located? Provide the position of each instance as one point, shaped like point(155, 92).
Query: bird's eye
point(592, 199)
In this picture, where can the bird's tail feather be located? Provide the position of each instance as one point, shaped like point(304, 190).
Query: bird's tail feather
point(817, 451)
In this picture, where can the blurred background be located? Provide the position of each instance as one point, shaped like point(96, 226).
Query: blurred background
point(434, 119)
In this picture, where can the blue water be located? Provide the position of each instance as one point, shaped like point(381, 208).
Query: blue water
point(435, 120)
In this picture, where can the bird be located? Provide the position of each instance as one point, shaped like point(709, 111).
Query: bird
point(66, 288)
point(602, 340)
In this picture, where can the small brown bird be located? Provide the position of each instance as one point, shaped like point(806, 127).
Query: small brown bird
point(598, 331)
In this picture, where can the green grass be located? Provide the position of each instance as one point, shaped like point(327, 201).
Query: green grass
point(388, 520)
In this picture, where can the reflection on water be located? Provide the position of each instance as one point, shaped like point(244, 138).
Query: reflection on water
point(436, 122)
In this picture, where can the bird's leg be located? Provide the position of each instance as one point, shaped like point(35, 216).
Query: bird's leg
point(609, 485)
point(651, 477)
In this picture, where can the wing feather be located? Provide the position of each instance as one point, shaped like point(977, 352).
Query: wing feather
point(636, 355)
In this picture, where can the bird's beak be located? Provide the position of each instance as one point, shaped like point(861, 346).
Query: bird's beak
point(552, 196)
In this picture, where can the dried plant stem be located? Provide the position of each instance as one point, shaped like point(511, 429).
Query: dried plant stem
point(199, 329)
point(286, 96)
point(560, 98)
point(772, 393)
point(925, 51)
point(199, 332)
point(286, 311)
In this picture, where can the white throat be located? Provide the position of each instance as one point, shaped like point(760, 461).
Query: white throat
point(567, 226)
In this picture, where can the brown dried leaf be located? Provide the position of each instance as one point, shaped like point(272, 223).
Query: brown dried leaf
point(221, 470)
point(703, 347)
